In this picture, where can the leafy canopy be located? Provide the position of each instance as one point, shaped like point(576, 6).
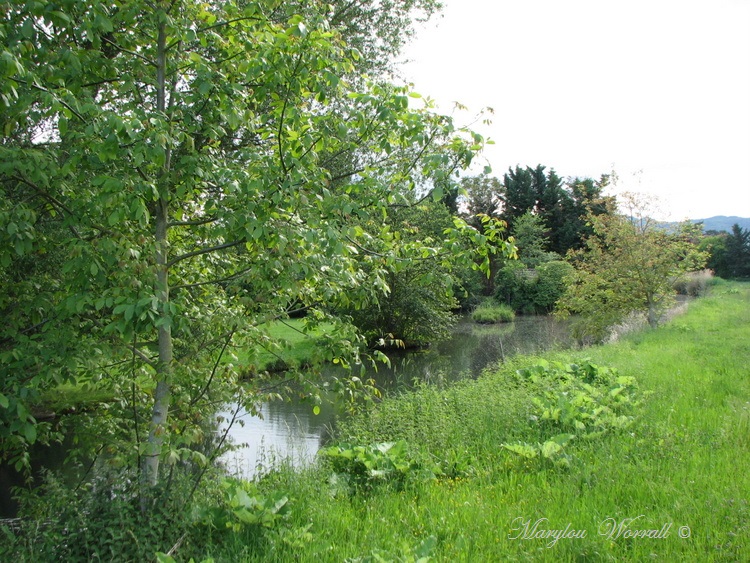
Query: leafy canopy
point(174, 175)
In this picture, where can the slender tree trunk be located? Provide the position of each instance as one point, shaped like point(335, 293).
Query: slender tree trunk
point(162, 394)
point(653, 313)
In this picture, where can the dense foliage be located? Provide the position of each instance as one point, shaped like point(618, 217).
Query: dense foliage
point(419, 306)
point(174, 175)
point(728, 253)
point(546, 216)
point(628, 266)
point(532, 291)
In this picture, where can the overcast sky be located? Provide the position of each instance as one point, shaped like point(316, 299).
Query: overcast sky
point(658, 90)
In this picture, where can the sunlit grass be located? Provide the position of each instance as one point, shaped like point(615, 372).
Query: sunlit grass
point(295, 346)
point(683, 467)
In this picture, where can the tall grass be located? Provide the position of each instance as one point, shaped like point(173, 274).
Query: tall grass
point(491, 312)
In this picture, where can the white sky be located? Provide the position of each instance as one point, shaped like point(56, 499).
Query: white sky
point(658, 90)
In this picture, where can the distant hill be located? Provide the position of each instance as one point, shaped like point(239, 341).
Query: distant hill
point(723, 223)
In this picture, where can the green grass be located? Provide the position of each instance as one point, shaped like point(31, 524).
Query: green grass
point(67, 397)
point(491, 312)
point(297, 347)
point(682, 466)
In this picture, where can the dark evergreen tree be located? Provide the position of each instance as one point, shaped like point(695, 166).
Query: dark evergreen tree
point(715, 244)
point(584, 197)
point(738, 252)
point(561, 206)
point(519, 193)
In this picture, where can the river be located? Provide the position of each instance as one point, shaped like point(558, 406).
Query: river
point(290, 430)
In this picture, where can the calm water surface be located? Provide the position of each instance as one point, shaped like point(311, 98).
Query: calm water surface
point(290, 430)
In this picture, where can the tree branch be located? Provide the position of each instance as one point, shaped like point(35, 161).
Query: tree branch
point(203, 391)
point(182, 257)
point(228, 22)
point(48, 91)
point(193, 223)
point(129, 52)
point(212, 282)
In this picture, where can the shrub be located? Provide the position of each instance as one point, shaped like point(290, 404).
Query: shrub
point(694, 284)
point(576, 400)
point(239, 505)
point(532, 291)
point(99, 521)
point(491, 312)
point(511, 285)
point(551, 284)
point(364, 466)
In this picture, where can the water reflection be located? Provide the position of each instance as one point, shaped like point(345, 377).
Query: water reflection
point(282, 430)
point(290, 430)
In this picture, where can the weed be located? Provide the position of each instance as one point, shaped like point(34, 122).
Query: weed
point(364, 466)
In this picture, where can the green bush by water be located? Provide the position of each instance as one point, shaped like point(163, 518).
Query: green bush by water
point(491, 312)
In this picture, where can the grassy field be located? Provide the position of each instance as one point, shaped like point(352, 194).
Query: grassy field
point(298, 347)
point(660, 469)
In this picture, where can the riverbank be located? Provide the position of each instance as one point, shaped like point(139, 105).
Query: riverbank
point(671, 483)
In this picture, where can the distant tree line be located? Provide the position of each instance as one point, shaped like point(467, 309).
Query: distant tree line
point(729, 253)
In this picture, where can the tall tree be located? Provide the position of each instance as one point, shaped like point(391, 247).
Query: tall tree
point(738, 252)
point(584, 197)
point(563, 206)
point(519, 193)
point(185, 169)
point(530, 235)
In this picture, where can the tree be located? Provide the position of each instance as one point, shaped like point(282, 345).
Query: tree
point(418, 307)
point(562, 206)
point(529, 233)
point(583, 197)
point(627, 266)
point(738, 252)
point(191, 172)
point(482, 198)
point(715, 246)
point(519, 193)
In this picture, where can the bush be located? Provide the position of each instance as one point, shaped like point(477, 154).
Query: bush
point(532, 291)
point(99, 521)
point(491, 312)
point(551, 284)
point(359, 468)
point(511, 286)
point(694, 284)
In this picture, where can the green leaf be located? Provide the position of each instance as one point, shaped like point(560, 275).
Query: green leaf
point(524, 450)
point(29, 431)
